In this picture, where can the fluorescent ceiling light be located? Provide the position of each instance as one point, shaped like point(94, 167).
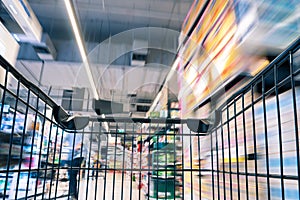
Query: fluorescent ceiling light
point(81, 47)
point(155, 102)
point(13, 9)
point(103, 5)
point(16, 37)
point(173, 69)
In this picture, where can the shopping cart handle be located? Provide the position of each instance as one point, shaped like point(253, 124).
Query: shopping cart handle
point(197, 126)
point(204, 125)
point(71, 122)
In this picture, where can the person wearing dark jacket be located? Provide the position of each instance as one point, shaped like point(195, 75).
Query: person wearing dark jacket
point(73, 147)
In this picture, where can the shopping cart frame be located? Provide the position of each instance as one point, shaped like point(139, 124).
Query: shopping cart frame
point(279, 76)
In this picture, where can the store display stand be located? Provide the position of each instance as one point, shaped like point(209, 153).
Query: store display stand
point(165, 181)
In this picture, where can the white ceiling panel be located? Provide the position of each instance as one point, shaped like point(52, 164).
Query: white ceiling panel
point(132, 13)
point(125, 80)
point(56, 74)
point(104, 20)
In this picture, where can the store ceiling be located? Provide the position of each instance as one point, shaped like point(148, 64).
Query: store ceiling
point(101, 20)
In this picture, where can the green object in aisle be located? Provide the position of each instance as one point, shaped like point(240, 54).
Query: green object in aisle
point(162, 188)
point(56, 161)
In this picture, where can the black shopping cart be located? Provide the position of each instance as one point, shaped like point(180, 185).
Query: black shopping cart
point(249, 151)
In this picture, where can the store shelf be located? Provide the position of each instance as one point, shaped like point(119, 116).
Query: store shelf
point(163, 177)
point(155, 198)
point(214, 57)
point(223, 88)
point(163, 164)
point(194, 15)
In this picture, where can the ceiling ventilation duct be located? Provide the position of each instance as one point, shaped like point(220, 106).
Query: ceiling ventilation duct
point(139, 108)
point(26, 19)
point(107, 107)
point(140, 104)
point(45, 49)
point(139, 52)
point(26, 29)
point(73, 100)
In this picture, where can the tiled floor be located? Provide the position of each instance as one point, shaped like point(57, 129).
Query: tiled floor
point(111, 189)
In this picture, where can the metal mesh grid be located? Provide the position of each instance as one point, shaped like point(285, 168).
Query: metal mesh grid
point(255, 148)
point(252, 153)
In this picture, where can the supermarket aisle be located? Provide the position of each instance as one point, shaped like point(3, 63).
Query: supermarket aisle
point(106, 190)
point(109, 189)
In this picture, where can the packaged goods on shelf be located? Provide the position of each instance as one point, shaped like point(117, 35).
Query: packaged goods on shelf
point(218, 56)
point(264, 125)
point(191, 17)
point(166, 157)
point(175, 114)
point(221, 31)
point(154, 114)
point(265, 25)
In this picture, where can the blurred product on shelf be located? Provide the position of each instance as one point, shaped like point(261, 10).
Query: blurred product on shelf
point(222, 46)
point(230, 38)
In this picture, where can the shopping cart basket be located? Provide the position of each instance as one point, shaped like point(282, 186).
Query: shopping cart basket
point(119, 157)
point(249, 151)
point(254, 150)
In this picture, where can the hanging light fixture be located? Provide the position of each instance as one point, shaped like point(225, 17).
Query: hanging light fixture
point(80, 44)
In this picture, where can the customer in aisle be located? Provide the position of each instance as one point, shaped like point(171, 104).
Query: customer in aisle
point(96, 167)
point(73, 147)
